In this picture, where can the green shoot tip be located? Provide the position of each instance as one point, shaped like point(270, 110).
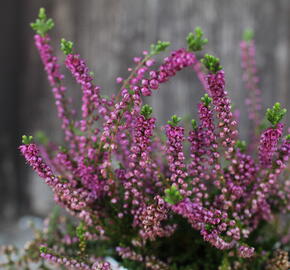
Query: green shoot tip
point(66, 46)
point(276, 114)
point(43, 249)
point(195, 41)
point(27, 139)
point(172, 195)
point(211, 63)
point(80, 230)
point(174, 120)
point(241, 145)
point(62, 149)
point(206, 99)
point(41, 137)
point(160, 46)
point(42, 24)
point(146, 111)
point(248, 35)
point(194, 124)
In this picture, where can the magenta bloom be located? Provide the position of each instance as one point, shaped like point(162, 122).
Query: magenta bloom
point(268, 144)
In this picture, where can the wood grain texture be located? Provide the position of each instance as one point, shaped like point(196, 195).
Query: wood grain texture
point(109, 33)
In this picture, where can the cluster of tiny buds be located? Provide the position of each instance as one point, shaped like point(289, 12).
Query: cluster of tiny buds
point(246, 251)
point(72, 263)
point(280, 261)
point(101, 265)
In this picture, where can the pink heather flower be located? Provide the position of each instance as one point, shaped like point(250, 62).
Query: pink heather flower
point(49, 61)
point(71, 263)
point(211, 223)
point(119, 80)
point(222, 106)
point(151, 219)
point(140, 164)
point(127, 253)
point(99, 265)
point(175, 156)
point(268, 144)
point(31, 154)
point(197, 67)
point(175, 62)
point(246, 252)
point(72, 200)
point(253, 102)
point(79, 168)
point(91, 94)
point(143, 131)
point(55, 79)
point(151, 262)
point(204, 156)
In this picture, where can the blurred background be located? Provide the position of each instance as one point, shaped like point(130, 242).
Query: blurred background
point(109, 33)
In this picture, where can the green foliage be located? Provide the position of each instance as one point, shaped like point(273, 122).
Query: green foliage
point(200, 255)
point(41, 137)
point(288, 137)
point(43, 249)
point(53, 225)
point(77, 131)
point(146, 111)
point(248, 35)
point(211, 63)
point(174, 121)
point(160, 46)
point(172, 195)
point(194, 124)
point(209, 227)
point(275, 114)
point(242, 145)
point(131, 265)
point(63, 149)
point(263, 125)
point(66, 46)
point(206, 99)
point(80, 232)
point(195, 41)
point(27, 139)
point(225, 265)
point(42, 24)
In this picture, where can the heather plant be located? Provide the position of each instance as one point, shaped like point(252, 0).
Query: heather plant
point(136, 196)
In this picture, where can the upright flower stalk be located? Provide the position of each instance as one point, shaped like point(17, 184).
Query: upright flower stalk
point(52, 68)
point(251, 80)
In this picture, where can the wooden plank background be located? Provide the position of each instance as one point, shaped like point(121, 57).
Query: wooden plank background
point(109, 33)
